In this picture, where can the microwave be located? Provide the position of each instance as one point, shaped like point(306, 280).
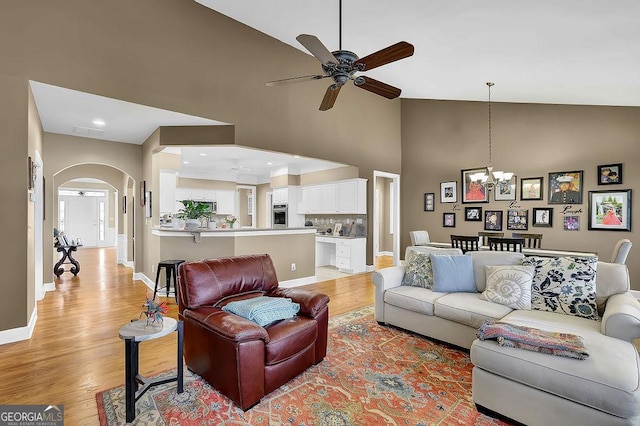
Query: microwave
point(213, 206)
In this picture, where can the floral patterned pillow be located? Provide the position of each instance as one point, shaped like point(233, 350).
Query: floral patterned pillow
point(419, 272)
point(565, 285)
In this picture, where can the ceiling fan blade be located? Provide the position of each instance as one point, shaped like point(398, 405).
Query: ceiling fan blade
point(317, 49)
point(295, 80)
point(377, 87)
point(330, 97)
point(389, 54)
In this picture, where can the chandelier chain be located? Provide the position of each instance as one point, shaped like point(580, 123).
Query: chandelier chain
point(489, 84)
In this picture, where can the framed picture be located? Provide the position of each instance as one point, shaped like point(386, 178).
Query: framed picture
point(473, 214)
point(565, 187)
point(124, 204)
point(429, 201)
point(449, 220)
point(473, 191)
point(505, 191)
point(31, 170)
point(449, 192)
point(337, 228)
point(142, 193)
point(610, 174)
point(531, 188)
point(518, 220)
point(543, 217)
point(610, 210)
point(147, 203)
point(571, 223)
point(493, 220)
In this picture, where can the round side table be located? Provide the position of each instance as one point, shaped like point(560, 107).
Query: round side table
point(138, 331)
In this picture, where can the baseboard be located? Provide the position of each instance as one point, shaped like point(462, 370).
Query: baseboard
point(49, 287)
point(298, 282)
point(142, 277)
point(371, 268)
point(20, 333)
point(385, 253)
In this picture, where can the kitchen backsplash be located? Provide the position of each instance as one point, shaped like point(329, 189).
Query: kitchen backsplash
point(352, 224)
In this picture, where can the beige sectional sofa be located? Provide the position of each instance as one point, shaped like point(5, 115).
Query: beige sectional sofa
point(530, 387)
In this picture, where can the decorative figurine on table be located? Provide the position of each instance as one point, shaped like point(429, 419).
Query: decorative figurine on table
point(154, 310)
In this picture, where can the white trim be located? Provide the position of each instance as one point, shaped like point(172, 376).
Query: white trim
point(396, 213)
point(298, 282)
point(385, 253)
point(49, 287)
point(142, 277)
point(128, 264)
point(20, 333)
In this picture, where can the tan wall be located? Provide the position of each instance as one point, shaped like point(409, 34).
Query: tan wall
point(205, 184)
point(530, 140)
point(261, 206)
point(35, 135)
point(340, 173)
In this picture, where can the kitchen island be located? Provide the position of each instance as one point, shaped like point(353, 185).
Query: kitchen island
point(292, 250)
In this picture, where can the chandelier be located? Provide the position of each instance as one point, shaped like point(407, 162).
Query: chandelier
point(489, 178)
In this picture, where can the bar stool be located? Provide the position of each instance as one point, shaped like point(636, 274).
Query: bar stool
point(171, 270)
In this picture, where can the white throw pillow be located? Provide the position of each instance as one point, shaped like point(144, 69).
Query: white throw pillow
point(509, 285)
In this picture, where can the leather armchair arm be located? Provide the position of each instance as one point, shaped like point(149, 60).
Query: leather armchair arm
point(311, 302)
point(227, 325)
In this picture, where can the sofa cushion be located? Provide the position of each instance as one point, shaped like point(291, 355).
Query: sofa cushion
point(419, 272)
point(608, 380)
point(564, 285)
point(452, 273)
point(509, 285)
point(611, 278)
point(491, 258)
point(414, 299)
point(468, 309)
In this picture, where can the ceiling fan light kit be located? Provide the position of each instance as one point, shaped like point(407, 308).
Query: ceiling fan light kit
point(341, 65)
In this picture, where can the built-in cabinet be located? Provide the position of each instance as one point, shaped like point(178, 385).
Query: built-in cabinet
point(280, 195)
point(346, 254)
point(225, 199)
point(343, 197)
point(289, 195)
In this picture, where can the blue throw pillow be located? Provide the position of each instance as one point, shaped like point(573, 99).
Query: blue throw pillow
point(453, 274)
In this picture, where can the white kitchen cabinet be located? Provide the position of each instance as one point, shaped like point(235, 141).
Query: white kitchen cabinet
point(352, 196)
point(280, 196)
point(311, 199)
point(328, 198)
point(226, 201)
point(342, 197)
point(167, 192)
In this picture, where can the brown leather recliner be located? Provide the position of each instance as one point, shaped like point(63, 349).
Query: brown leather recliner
point(241, 359)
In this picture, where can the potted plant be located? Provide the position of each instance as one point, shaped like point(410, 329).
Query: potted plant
point(192, 212)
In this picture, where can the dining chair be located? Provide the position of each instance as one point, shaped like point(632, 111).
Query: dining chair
point(506, 244)
point(621, 251)
point(465, 242)
point(419, 238)
point(485, 236)
point(530, 240)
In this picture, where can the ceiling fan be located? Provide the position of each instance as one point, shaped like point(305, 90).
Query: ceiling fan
point(341, 66)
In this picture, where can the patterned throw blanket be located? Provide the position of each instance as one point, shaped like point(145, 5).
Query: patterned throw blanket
point(533, 339)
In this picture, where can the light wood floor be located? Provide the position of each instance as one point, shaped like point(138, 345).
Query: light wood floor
point(75, 350)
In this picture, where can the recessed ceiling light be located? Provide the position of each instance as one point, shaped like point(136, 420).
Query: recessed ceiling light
point(99, 122)
point(296, 156)
point(269, 163)
point(185, 162)
point(203, 154)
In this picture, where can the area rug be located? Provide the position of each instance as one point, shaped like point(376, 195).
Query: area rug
point(372, 375)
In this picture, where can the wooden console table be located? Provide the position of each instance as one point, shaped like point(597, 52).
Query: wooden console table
point(66, 255)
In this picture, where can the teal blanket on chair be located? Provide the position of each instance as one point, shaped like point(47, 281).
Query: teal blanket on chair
point(263, 310)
